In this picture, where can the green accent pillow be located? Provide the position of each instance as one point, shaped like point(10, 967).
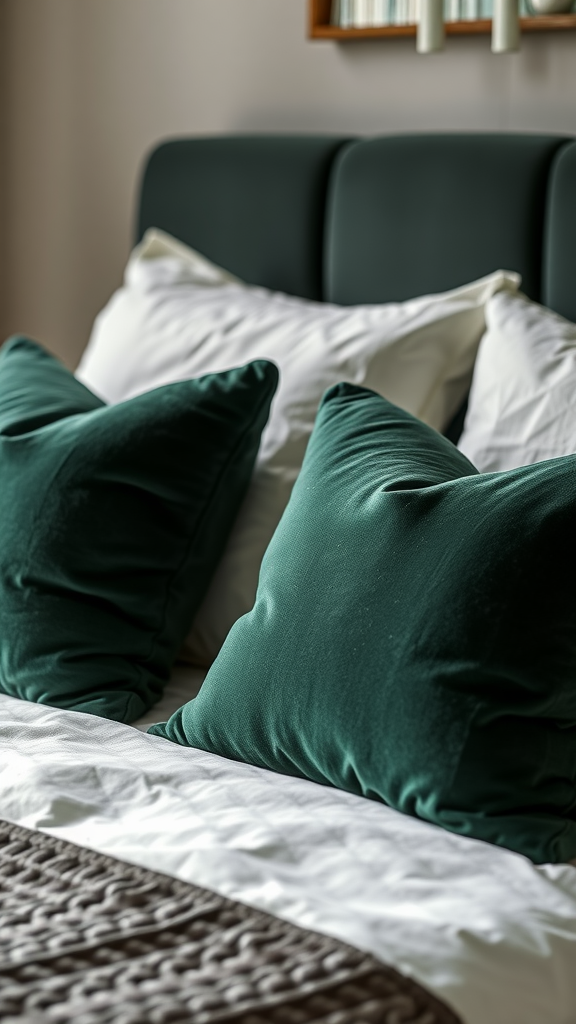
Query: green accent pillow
point(414, 634)
point(112, 520)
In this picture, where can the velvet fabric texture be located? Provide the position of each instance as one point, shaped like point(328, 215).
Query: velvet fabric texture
point(413, 635)
point(558, 290)
point(112, 521)
point(254, 204)
point(413, 214)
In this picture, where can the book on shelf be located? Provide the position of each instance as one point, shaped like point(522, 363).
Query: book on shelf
point(373, 13)
point(470, 10)
point(341, 13)
point(486, 9)
point(362, 13)
point(379, 13)
point(401, 12)
point(357, 13)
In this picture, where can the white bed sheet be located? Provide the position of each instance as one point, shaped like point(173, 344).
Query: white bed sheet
point(483, 928)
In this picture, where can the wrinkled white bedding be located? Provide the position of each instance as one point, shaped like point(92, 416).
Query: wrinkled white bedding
point(482, 927)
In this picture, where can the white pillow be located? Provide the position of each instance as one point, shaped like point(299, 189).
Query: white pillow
point(522, 406)
point(179, 316)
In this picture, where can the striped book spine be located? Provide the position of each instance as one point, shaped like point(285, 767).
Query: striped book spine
point(360, 13)
point(470, 10)
point(345, 13)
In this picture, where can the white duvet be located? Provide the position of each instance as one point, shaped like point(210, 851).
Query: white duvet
point(485, 929)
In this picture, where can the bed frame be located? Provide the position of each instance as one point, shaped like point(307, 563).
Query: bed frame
point(373, 220)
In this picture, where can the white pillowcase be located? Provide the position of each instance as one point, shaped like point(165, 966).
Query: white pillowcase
point(180, 316)
point(522, 406)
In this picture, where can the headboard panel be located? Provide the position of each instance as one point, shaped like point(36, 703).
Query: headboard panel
point(559, 286)
point(415, 214)
point(253, 204)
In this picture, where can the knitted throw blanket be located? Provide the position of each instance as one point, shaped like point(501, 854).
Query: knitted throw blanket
point(88, 939)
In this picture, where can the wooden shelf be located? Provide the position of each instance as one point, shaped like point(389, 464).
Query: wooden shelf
point(320, 28)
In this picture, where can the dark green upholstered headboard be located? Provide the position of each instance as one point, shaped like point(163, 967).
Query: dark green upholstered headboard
point(373, 220)
point(253, 204)
point(559, 277)
point(424, 213)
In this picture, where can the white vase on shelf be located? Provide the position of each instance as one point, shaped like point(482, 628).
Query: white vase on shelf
point(551, 6)
point(505, 26)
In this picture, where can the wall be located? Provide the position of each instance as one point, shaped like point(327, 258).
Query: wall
point(90, 85)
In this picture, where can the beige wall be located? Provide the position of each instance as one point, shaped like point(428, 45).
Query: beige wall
point(90, 85)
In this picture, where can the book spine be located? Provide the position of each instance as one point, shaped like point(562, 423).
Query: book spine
point(453, 12)
point(335, 13)
point(470, 10)
point(359, 13)
point(345, 12)
point(399, 15)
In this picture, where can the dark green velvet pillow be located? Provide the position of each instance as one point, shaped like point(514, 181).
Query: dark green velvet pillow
point(414, 634)
point(112, 520)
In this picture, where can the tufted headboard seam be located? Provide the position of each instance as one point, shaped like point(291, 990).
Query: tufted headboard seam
point(373, 220)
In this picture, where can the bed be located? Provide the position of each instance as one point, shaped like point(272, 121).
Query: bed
point(345, 222)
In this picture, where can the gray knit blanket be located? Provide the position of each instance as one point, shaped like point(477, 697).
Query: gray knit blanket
point(88, 939)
